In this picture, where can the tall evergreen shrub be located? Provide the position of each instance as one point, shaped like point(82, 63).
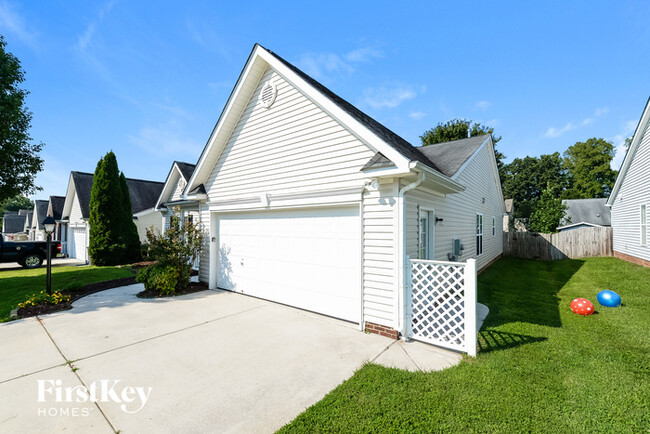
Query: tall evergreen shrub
point(110, 226)
point(128, 228)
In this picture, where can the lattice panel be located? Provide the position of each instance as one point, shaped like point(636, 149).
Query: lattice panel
point(438, 305)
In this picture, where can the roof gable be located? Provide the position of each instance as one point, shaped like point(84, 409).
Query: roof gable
point(40, 212)
point(370, 132)
point(641, 128)
point(55, 207)
point(178, 171)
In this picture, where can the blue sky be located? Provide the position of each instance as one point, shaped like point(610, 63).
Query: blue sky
point(148, 79)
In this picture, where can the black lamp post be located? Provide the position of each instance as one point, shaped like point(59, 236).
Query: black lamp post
point(49, 224)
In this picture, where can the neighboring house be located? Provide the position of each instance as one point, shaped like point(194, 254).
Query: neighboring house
point(13, 226)
point(630, 198)
point(28, 223)
point(307, 201)
point(171, 197)
point(37, 231)
point(583, 213)
point(55, 210)
point(76, 210)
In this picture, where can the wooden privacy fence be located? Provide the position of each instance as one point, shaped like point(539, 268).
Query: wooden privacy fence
point(573, 244)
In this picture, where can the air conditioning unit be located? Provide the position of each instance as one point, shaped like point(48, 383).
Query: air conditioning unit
point(456, 249)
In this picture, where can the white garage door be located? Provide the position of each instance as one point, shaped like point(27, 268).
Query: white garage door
point(304, 258)
point(77, 243)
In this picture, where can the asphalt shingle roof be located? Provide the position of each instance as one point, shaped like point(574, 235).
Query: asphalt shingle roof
point(144, 194)
point(57, 206)
point(13, 223)
point(450, 156)
point(187, 169)
point(591, 211)
point(41, 212)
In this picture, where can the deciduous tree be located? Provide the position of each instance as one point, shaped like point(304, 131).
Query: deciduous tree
point(588, 166)
point(19, 156)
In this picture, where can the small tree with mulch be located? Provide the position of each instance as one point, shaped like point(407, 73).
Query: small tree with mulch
point(174, 251)
point(111, 220)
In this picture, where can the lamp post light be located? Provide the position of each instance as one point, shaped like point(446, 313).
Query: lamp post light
point(49, 224)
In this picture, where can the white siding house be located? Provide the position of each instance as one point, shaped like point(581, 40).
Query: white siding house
point(76, 211)
point(630, 198)
point(309, 202)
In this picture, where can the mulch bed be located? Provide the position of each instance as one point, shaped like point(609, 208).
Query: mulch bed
point(76, 294)
point(194, 287)
point(25, 312)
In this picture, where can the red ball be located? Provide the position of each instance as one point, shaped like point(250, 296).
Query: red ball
point(582, 306)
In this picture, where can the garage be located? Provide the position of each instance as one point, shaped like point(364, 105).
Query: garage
point(77, 242)
point(307, 258)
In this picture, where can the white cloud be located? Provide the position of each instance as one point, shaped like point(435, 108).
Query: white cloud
point(388, 97)
point(165, 140)
point(417, 115)
point(208, 38)
point(84, 40)
point(482, 105)
point(12, 23)
point(554, 132)
point(316, 64)
point(619, 143)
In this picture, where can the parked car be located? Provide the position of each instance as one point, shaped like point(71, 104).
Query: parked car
point(29, 254)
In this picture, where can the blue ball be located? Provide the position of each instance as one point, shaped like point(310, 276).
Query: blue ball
point(609, 298)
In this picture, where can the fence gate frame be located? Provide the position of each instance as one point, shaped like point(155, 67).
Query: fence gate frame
point(441, 303)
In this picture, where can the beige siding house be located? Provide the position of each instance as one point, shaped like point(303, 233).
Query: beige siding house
point(309, 202)
point(630, 198)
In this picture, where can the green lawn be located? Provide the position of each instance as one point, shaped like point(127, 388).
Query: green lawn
point(541, 368)
point(16, 286)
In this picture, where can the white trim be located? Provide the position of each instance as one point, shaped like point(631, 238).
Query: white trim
point(477, 234)
point(627, 161)
point(144, 212)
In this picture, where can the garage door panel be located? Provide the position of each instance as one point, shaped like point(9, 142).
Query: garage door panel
point(304, 258)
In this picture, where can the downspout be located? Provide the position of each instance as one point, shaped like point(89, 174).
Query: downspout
point(401, 254)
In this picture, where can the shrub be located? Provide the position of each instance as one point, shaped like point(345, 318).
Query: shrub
point(44, 298)
point(175, 249)
point(160, 278)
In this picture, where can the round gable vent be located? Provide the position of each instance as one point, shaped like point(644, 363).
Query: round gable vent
point(269, 93)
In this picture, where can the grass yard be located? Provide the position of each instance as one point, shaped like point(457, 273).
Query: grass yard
point(541, 367)
point(17, 285)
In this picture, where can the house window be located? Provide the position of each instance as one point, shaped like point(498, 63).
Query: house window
point(479, 234)
point(494, 226)
point(644, 226)
point(425, 239)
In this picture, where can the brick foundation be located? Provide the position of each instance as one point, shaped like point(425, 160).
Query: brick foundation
point(381, 330)
point(632, 259)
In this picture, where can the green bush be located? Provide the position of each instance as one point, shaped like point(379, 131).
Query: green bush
point(160, 278)
point(174, 252)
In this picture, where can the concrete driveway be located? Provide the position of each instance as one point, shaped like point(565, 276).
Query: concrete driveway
point(210, 361)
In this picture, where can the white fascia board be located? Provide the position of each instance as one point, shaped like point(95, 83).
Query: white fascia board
point(219, 127)
point(69, 197)
point(448, 184)
point(636, 140)
point(328, 106)
point(145, 212)
point(579, 224)
point(168, 185)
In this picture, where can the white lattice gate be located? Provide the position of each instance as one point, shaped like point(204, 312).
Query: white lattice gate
point(441, 303)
